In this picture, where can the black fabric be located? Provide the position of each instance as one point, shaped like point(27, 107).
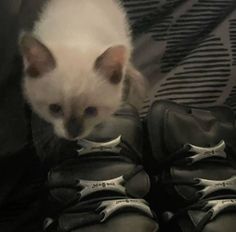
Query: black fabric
point(21, 196)
point(20, 170)
point(13, 135)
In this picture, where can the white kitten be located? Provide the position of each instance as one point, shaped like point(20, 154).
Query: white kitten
point(75, 60)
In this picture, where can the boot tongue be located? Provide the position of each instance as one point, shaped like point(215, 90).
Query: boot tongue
point(171, 126)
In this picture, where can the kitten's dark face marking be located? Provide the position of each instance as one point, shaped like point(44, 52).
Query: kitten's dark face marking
point(56, 110)
point(75, 124)
point(74, 127)
point(73, 119)
point(91, 111)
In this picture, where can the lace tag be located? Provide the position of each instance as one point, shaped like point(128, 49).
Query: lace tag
point(88, 146)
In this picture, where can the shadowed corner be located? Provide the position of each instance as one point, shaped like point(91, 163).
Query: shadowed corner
point(50, 148)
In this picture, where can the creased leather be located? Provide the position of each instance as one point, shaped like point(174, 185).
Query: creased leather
point(64, 177)
point(170, 126)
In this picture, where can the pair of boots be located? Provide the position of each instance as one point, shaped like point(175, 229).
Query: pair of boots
point(174, 171)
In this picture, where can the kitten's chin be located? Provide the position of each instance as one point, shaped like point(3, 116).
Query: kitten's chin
point(84, 135)
point(67, 137)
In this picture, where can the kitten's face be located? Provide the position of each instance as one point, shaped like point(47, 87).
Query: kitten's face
point(73, 92)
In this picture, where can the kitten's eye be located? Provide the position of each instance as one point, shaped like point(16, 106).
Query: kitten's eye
point(56, 109)
point(91, 111)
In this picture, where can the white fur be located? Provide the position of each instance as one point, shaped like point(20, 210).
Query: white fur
point(88, 25)
point(77, 32)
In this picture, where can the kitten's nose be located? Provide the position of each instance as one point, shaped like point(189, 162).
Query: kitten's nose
point(74, 127)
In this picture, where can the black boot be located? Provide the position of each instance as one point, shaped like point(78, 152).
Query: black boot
point(102, 186)
point(194, 164)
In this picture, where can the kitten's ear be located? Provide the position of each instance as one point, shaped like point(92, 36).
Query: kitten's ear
point(111, 63)
point(38, 60)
